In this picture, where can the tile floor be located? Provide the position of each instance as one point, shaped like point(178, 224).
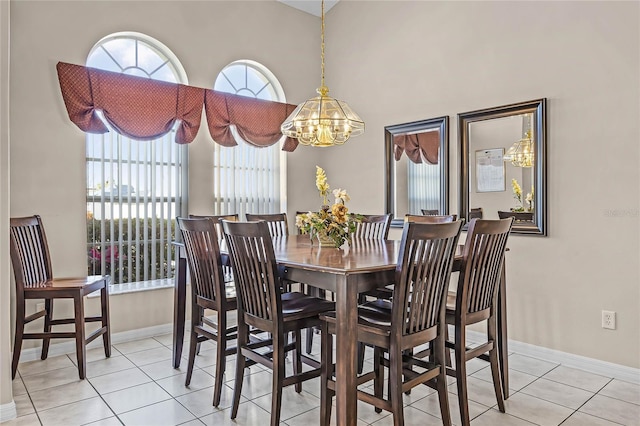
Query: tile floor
point(138, 386)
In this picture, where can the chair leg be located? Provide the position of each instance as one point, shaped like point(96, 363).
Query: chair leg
point(438, 354)
point(378, 379)
point(48, 307)
point(297, 359)
point(361, 349)
point(395, 385)
point(17, 340)
point(495, 365)
point(326, 359)
point(309, 340)
point(193, 342)
point(243, 339)
point(81, 344)
point(221, 361)
point(461, 376)
point(104, 305)
point(278, 378)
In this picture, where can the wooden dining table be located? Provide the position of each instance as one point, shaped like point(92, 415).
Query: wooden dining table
point(365, 265)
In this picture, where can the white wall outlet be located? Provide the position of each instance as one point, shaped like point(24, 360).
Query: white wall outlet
point(39, 307)
point(609, 320)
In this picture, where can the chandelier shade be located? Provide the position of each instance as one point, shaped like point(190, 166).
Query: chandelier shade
point(322, 121)
point(521, 153)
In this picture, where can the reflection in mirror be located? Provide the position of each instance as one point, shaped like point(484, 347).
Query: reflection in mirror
point(416, 175)
point(503, 165)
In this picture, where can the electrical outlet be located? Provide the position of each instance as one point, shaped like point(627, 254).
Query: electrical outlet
point(609, 320)
point(39, 307)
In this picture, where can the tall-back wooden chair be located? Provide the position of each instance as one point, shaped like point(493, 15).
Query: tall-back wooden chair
point(261, 305)
point(373, 227)
point(475, 300)
point(430, 218)
point(416, 318)
point(430, 212)
point(277, 223)
point(476, 213)
point(208, 291)
point(34, 280)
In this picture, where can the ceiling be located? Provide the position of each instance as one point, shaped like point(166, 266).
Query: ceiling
point(310, 6)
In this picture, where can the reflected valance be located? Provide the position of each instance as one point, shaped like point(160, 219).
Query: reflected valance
point(419, 147)
point(146, 109)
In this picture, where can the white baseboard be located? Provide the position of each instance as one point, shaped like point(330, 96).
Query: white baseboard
point(595, 366)
point(8, 411)
point(69, 347)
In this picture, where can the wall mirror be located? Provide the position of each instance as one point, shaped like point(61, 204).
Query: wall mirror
point(503, 165)
point(416, 168)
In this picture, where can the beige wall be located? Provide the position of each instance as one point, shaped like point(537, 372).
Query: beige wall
point(396, 62)
point(6, 396)
point(392, 65)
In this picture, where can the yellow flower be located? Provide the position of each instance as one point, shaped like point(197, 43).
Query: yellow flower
point(340, 211)
point(517, 191)
point(322, 184)
point(341, 195)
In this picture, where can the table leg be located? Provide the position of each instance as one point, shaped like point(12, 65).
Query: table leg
point(179, 305)
point(503, 350)
point(346, 349)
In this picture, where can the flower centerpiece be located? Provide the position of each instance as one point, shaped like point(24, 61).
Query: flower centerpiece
point(517, 194)
point(332, 225)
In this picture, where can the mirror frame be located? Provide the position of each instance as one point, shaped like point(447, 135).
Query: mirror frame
point(440, 123)
point(538, 109)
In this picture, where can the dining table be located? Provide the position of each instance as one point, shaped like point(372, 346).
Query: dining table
point(364, 265)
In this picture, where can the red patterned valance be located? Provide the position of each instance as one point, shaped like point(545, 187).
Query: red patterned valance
point(145, 109)
point(420, 147)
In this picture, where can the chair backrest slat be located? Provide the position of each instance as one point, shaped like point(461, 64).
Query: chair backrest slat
point(276, 222)
point(373, 227)
point(217, 218)
point(483, 261)
point(422, 275)
point(254, 266)
point(203, 254)
point(29, 252)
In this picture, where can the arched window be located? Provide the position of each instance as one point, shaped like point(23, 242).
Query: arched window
point(248, 179)
point(135, 189)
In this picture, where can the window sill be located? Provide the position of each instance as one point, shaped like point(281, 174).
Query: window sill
point(137, 287)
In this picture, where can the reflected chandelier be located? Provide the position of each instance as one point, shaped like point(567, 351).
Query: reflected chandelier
point(323, 120)
point(521, 153)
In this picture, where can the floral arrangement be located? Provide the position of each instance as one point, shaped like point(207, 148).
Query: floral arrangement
point(332, 225)
point(517, 194)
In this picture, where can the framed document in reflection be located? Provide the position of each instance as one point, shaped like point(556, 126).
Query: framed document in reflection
point(490, 170)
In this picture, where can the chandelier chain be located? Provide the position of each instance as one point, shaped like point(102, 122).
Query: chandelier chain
point(322, 44)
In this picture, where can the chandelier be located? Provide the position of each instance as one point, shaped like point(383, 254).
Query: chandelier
point(521, 153)
point(323, 120)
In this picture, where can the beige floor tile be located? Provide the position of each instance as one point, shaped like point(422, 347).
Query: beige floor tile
point(249, 414)
point(95, 354)
point(165, 339)
point(18, 386)
point(109, 421)
point(160, 370)
point(412, 417)
point(517, 379)
point(479, 391)
point(612, 409)
point(533, 366)
point(195, 422)
point(119, 380)
point(77, 413)
point(135, 397)
point(200, 403)
point(166, 413)
point(41, 366)
point(431, 405)
point(366, 412)
point(577, 378)
point(206, 358)
point(496, 418)
point(150, 356)
point(536, 410)
point(625, 391)
point(62, 395)
point(293, 403)
point(28, 420)
point(175, 384)
point(51, 379)
point(254, 385)
point(312, 417)
point(137, 346)
point(558, 393)
point(108, 365)
point(582, 419)
point(23, 405)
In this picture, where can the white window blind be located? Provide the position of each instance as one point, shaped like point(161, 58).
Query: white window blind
point(424, 187)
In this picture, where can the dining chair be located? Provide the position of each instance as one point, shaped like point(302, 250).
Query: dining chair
point(417, 317)
point(261, 305)
point(34, 279)
point(277, 222)
point(475, 300)
point(373, 226)
point(430, 212)
point(476, 213)
point(216, 219)
point(517, 216)
point(208, 291)
point(430, 218)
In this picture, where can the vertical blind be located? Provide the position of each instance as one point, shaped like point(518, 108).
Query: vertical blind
point(424, 186)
